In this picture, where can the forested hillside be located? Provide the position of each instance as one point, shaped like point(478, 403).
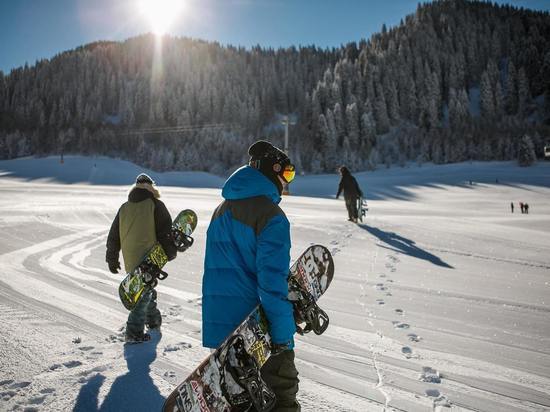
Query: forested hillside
point(457, 80)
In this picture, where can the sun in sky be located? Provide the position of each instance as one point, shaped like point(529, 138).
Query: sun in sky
point(160, 14)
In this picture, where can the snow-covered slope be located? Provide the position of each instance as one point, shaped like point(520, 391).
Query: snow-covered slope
point(395, 182)
point(441, 298)
point(98, 171)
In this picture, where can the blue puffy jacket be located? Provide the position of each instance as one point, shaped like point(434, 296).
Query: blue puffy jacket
point(247, 260)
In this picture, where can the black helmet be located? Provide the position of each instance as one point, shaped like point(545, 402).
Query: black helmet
point(144, 178)
point(262, 150)
point(271, 161)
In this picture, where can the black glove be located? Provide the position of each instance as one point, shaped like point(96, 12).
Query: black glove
point(114, 266)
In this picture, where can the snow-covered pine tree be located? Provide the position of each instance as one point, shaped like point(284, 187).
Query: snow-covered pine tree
point(486, 96)
point(545, 76)
point(526, 151)
point(511, 89)
point(331, 146)
point(524, 96)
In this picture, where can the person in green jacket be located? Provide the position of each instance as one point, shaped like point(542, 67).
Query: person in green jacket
point(139, 223)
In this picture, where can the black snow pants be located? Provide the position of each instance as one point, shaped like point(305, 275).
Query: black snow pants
point(280, 374)
point(351, 205)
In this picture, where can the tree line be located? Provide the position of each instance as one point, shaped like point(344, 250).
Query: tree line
point(456, 80)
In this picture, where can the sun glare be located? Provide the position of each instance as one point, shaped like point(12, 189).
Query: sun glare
point(160, 13)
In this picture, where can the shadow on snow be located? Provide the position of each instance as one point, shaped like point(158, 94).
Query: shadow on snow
point(134, 391)
point(394, 183)
point(403, 245)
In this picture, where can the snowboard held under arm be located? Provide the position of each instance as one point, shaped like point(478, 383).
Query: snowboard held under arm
point(147, 274)
point(229, 379)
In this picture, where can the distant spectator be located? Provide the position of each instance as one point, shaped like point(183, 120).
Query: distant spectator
point(526, 207)
point(521, 207)
point(512, 206)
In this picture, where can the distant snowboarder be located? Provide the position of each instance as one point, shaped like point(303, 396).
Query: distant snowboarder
point(246, 262)
point(139, 223)
point(512, 206)
point(352, 192)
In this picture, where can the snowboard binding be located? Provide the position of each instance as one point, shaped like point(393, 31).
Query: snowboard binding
point(245, 371)
point(182, 240)
point(307, 311)
point(151, 274)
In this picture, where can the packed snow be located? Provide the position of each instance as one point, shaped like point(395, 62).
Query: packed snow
point(440, 301)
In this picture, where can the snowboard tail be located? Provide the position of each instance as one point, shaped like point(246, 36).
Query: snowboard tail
point(147, 274)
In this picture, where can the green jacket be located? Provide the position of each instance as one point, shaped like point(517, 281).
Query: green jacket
point(139, 223)
point(136, 231)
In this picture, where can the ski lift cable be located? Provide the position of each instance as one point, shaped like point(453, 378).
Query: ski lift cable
point(208, 125)
point(177, 129)
point(181, 130)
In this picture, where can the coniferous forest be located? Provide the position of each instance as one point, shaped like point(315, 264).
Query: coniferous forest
point(457, 80)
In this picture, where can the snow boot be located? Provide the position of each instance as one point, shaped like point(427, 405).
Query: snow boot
point(154, 321)
point(155, 330)
point(144, 337)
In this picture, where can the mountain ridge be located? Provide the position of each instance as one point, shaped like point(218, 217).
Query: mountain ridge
point(406, 93)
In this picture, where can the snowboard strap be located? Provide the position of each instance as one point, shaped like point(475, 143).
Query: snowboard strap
point(161, 275)
point(307, 311)
point(246, 373)
point(152, 274)
point(181, 240)
point(316, 320)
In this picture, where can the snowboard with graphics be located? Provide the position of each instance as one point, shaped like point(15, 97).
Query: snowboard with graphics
point(145, 276)
point(229, 379)
point(362, 208)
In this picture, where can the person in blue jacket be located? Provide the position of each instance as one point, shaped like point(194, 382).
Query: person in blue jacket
point(246, 264)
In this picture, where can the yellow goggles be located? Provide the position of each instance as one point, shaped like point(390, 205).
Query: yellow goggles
point(288, 173)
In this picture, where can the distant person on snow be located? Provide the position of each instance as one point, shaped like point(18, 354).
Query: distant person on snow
point(139, 223)
point(246, 263)
point(352, 192)
point(526, 207)
point(512, 206)
point(522, 207)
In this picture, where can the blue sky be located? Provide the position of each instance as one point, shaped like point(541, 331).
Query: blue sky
point(34, 29)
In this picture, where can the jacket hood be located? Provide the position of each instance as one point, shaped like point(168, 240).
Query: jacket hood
point(142, 191)
point(248, 182)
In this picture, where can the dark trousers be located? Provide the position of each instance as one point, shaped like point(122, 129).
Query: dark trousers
point(351, 205)
point(145, 312)
point(280, 374)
